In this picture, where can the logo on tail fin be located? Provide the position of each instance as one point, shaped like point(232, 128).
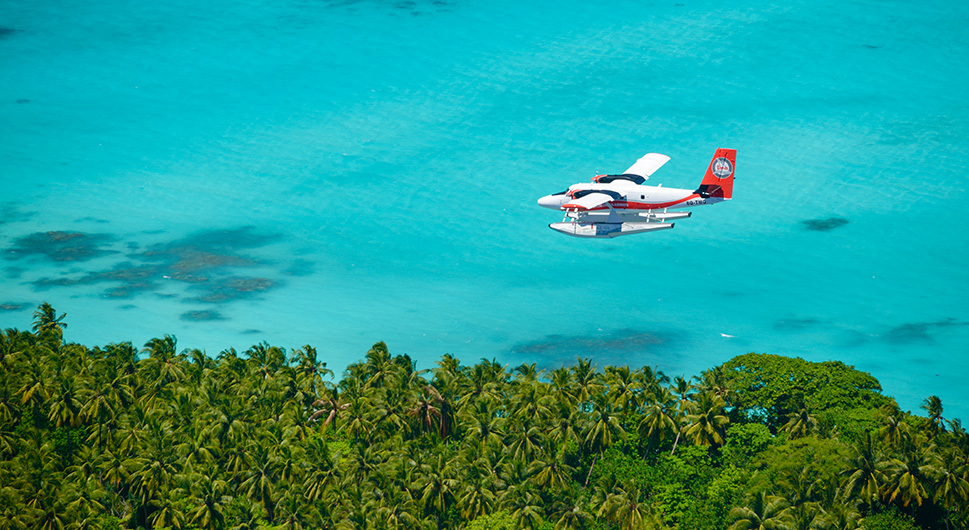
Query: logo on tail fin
point(718, 180)
point(722, 168)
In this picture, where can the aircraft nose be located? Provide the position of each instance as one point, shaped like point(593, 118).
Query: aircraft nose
point(550, 201)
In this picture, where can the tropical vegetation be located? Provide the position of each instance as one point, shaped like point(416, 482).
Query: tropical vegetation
point(160, 437)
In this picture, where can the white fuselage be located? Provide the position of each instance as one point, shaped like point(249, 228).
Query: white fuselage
point(633, 197)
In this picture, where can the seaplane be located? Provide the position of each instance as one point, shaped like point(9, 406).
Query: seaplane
point(620, 205)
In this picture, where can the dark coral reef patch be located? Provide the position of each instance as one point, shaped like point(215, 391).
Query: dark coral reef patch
point(796, 324)
point(920, 331)
point(61, 246)
point(202, 316)
point(11, 213)
point(235, 288)
point(207, 263)
point(621, 340)
point(824, 225)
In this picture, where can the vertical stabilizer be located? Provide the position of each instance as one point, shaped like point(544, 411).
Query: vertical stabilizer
point(718, 180)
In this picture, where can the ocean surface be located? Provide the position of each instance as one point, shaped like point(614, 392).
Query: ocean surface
point(337, 173)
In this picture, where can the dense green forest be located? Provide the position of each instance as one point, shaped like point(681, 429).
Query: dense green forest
point(117, 437)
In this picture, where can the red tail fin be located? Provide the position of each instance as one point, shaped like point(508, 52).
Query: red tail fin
point(718, 180)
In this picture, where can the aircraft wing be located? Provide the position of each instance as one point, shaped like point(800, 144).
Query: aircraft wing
point(647, 165)
point(590, 201)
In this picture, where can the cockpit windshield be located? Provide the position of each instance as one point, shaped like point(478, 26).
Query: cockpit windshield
point(582, 193)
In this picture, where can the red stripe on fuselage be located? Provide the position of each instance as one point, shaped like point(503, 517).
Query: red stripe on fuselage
point(632, 205)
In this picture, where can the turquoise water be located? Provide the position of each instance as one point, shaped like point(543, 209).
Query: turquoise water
point(338, 173)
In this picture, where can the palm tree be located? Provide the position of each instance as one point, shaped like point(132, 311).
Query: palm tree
point(800, 424)
point(934, 424)
point(629, 508)
point(210, 496)
point(330, 406)
point(840, 516)
point(602, 429)
point(310, 369)
point(624, 388)
point(684, 405)
point(801, 486)
point(911, 473)
point(35, 388)
point(194, 446)
point(684, 393)
point(763, 512)
point(260, 481)
point(708, 425)
point(562, 387)
point(564, 420)
point(864, 476)
point(357, 414)
point(484, 426)
point(293, 512)
point(51, 516)
point(715, 380)
point(527, 507)
point(573, 516)
point(527, 373)
point(477, 495)
point(227, 420)
point(550, 475)
point(804, 516)
point(484, 380)
point(531, 400)
point(438, 486)
point(165, 365)
point(450, 366)
point(433, 412)
point(398, 515)
point(380, 366)
point(894, 429)
point(652, 380)
point(952, 488)
point(65, 411)
point(586, 380)
point(658, 420)
point(525, 440)
point(321, 473)
point(48, 324)
point(265, 359)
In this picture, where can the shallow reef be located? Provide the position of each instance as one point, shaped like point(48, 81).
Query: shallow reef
point(792, 324)
point(133, 279)
point(13, 306)
point(11, 213)
point(234, 288)
point(920, 331)
point(203, 266)
point(300, 267)
point(824, 225)
point(202, 316)
point(61, 246)
point(621, 340)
